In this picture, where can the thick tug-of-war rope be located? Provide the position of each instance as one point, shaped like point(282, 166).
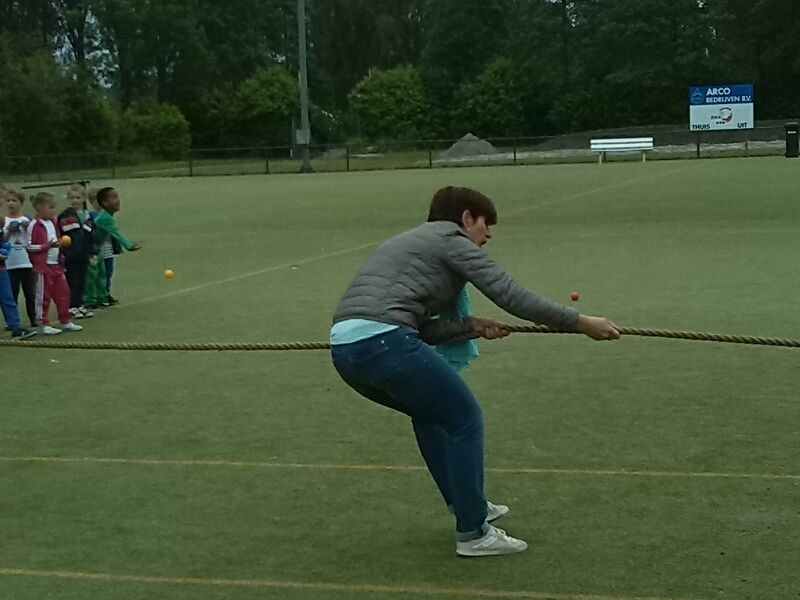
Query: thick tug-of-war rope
point(675, 335)
point(289, 346)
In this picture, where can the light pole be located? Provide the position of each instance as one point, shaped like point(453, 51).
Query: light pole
point(304, 134)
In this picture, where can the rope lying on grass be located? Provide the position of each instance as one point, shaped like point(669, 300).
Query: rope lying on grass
point(261, 347)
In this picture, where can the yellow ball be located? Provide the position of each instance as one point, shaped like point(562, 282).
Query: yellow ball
point(66, 241)
point(168, 274)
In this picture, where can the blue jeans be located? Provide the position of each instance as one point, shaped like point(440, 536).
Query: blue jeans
point(399, 371)
point(109, 264)
point(9, 304)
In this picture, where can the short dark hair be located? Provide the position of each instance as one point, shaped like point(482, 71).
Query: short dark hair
point(449, 204)
point(103, 194)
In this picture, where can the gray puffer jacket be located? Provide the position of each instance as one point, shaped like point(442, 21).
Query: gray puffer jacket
point(412, 277)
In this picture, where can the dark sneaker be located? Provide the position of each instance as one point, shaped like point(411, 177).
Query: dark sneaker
point(23, 334)
point(112, 301)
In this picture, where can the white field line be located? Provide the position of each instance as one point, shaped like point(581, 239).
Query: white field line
point(252, 274)
point(369, 244)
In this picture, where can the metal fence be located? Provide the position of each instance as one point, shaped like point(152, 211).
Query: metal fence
point(669, 143)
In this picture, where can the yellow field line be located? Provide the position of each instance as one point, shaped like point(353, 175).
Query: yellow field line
point(155, 462)
point(364, 588)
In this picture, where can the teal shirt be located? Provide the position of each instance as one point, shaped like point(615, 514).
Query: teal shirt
point(355, 330)
point(106, 228)
point(460, 354)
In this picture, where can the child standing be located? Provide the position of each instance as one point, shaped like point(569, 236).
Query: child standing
point(96, 294)
point(75, 223)
point(18, 263)
point(106, 227)
point(7, 302)
point(51, 284)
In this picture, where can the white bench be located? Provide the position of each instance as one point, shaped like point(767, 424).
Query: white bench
point(640, 144)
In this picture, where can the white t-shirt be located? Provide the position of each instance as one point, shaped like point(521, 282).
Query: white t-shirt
point(52, 253)
point(18, 257)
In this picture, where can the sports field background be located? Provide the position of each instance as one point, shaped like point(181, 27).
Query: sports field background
point(644, 468)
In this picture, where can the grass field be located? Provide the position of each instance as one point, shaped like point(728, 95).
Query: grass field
point(646, 468)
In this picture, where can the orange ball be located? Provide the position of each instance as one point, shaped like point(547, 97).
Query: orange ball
point(168, 274)
point(575, 296)
point(66, 241)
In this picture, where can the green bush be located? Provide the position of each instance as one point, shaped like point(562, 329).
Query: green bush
point(158, 130)
point(262, 109)
point(391, 105)
point(491, 105)
point(92, 125)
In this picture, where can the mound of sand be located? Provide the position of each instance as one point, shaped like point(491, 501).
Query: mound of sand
point(470, 145)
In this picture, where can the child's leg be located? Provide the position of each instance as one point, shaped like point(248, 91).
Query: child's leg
point(9, 306)
point(42, 298)
point(95, 274)
point(76, 279)
point(24, 278)
point(60, 292)
point(91, 274)
point(70, 272)
point(80, 283)
point(109, 265)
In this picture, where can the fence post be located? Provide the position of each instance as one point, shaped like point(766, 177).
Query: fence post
point(698, 145)
point(266, 160)
point(36, 167)
point(113, 165)
point(515, 151)
point(430, 158)
point(347, 157)
point(191, 166)
point(747, 142)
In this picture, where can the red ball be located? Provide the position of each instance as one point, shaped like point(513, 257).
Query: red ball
point(575, 296)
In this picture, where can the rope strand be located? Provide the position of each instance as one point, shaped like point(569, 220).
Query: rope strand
point(293, 346)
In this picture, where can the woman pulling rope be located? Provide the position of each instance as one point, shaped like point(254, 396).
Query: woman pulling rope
point(385, 328)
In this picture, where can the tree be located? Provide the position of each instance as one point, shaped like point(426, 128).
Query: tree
point(492, 104)
point(636, 61)
point(461, 36)
point(155, 130)
point(350, 37)
point(32, 113)
point(91, 122)
point(753, 44)
point(75, 27)
point(262, 109)
point(391, 104)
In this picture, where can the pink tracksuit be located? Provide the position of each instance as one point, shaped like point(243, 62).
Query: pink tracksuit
point(51, 284)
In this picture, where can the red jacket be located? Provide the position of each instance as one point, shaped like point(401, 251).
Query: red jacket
point(39, 245)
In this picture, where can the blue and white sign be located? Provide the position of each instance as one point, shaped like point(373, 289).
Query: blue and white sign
point(715, 107)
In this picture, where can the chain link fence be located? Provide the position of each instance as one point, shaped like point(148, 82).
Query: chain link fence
point(669, 143)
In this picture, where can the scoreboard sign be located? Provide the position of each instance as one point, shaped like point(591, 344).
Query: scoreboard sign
point(721, 107)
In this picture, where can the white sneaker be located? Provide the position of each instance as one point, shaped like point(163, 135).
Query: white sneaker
point(47, 330)
point(494, 542)
point(495, 511)
point(85, 312)
point(70, 327)
point(76, 313)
